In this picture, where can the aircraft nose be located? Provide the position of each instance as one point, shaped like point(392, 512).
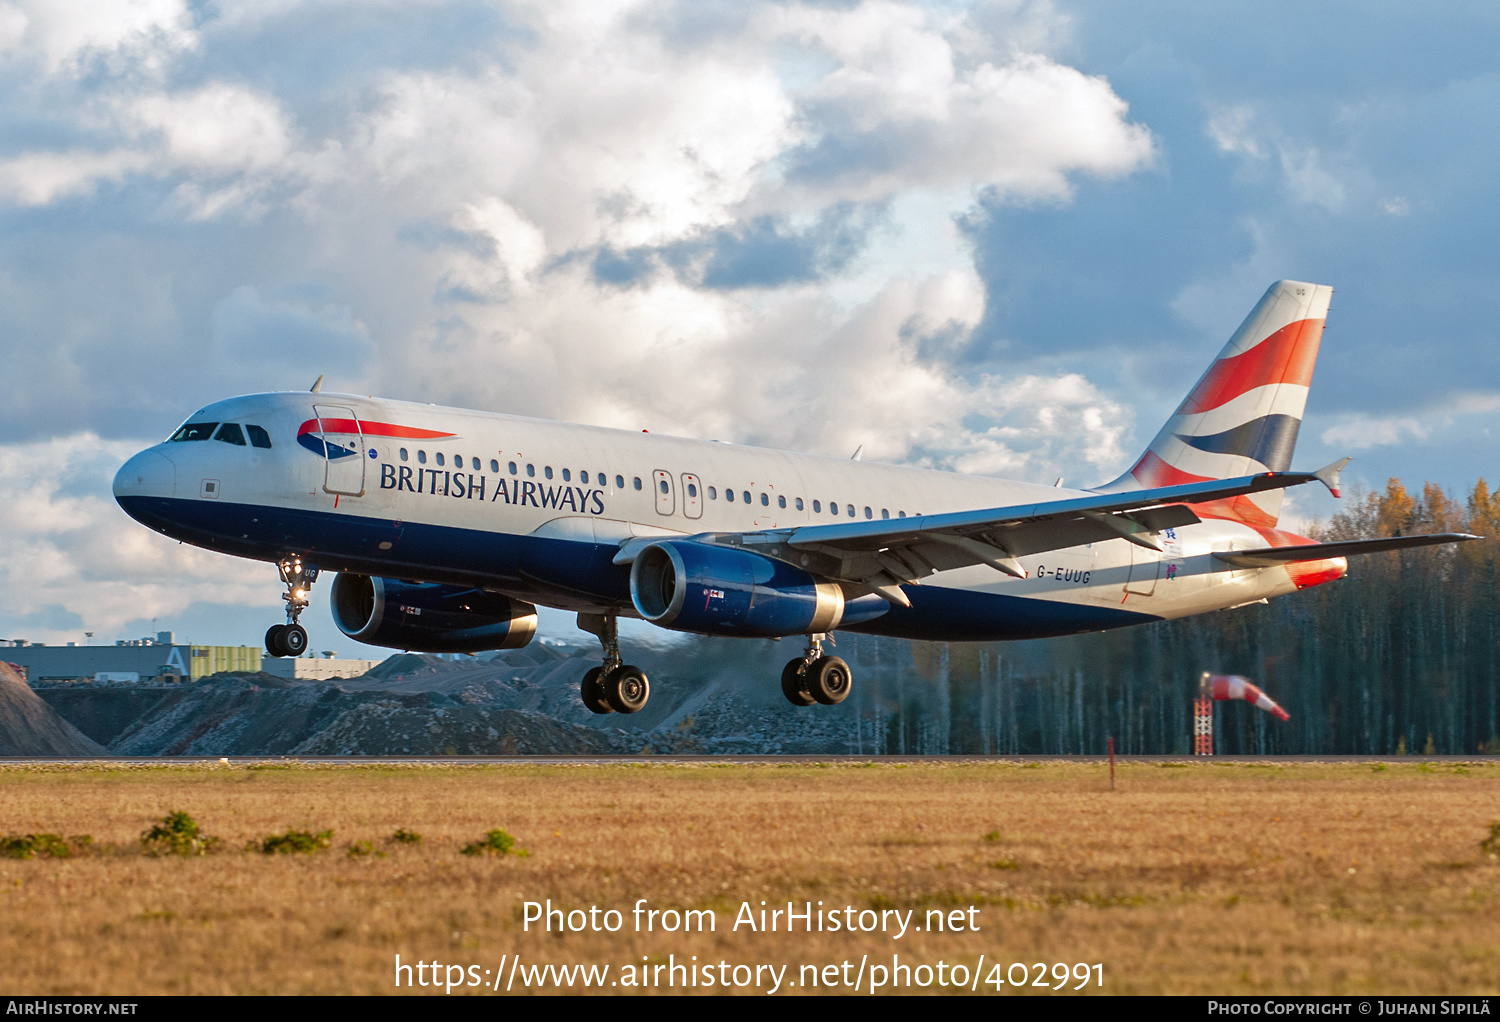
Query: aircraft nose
point(148, 474)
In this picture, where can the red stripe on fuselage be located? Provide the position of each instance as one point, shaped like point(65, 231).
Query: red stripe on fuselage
point(1287, 356)
point(369, 428)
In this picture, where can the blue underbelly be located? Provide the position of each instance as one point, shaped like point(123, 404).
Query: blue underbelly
point(528, 566)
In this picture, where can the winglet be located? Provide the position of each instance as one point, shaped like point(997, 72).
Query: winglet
point(857, 452)
point(317, 387)
point(1328, 475)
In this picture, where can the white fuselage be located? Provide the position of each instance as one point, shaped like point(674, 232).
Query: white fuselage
point(534, 509)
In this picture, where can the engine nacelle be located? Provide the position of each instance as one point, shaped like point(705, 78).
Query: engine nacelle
point(699, 587)
point(427, 617)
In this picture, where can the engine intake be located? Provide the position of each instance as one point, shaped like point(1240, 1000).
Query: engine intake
point(713, 590)
point(427, 617)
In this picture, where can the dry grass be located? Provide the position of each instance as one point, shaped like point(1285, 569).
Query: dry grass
point(1220, 877)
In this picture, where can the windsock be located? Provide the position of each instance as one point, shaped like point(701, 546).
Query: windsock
point(1232, 686)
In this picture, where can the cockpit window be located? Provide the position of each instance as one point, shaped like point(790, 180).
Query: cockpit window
point(260, 438)
point(231, 433)
point(194, 431)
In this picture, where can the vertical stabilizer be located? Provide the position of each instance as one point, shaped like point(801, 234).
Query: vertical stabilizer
point(1242, 417)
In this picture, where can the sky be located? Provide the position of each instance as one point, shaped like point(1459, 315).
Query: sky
point(998, 238)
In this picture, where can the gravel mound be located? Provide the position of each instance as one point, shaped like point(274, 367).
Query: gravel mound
point(29, 727)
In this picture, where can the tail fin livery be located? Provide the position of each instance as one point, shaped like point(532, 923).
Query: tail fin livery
point(1242, 417)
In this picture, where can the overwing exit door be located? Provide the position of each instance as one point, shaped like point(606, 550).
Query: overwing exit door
point(692, 496)
point(661, 484)
point(344, 449)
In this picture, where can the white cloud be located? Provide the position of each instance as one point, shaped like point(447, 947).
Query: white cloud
point(1361, 432)
point(902, 110)
point(217, 128)
point(451, 218)
point(68, 546)
point(63, 33)
point(1233, 131)
point(41, 178)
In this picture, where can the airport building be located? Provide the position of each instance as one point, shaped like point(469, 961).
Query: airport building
point(164, 660)
point(158, 659)
point(315, 668)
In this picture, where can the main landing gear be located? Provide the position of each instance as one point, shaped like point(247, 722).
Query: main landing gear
point(290, 639)
point(816, 678)
point(614, 687)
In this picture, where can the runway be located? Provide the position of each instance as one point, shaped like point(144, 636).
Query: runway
point(702, 760)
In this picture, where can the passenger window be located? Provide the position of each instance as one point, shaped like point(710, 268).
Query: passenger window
point(475, 463)
point(884, 513)
point(799, 503)
point(746, 495)
point(619, 482)
point(547, 471)
point(403, 454)
point(692, 489)
point(781, 502)
point(851, 510)
point(868, 513)
point(531, 471)
point(421, 457)
point(765, 501)
point(194, 431)
point(729, 496)
point(439, 457)
point(713, 494)
point(259, 437)
point(494, 466)
point(567, 476)
point(900, 514)
point(664, 486)
point(231, 433)
point(512, 467)
point(817, 507)
point(637, 482)
point(583, 477)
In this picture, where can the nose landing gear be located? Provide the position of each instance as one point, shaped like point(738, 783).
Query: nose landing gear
point(615, 687)
point(290, 639)
point(816, 678)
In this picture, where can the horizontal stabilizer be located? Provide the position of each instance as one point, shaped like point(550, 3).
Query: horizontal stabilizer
point(1320, 551)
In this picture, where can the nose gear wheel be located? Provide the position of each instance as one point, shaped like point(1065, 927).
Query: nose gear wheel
point(290, 639)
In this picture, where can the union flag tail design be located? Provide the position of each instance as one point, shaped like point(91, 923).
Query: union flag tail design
point(1242, 417)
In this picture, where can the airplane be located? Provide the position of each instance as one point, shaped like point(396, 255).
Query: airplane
point(448, 527)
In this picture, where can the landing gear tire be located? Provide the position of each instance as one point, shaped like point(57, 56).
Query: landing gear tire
point(294, 640)
point(593, 692)
point(794, 683)
point(829, 680)
point(290, 639)
point(627, 689)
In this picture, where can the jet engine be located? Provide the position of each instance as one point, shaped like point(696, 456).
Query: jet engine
point(428, 617)
point(714, 590)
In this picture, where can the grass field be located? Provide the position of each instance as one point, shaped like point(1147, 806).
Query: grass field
point(1201, 878)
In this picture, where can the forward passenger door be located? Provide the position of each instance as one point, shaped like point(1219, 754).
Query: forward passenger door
point(344, 449)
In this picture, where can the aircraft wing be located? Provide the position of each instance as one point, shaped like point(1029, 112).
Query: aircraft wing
point(1350, 548)
point(887, 553)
